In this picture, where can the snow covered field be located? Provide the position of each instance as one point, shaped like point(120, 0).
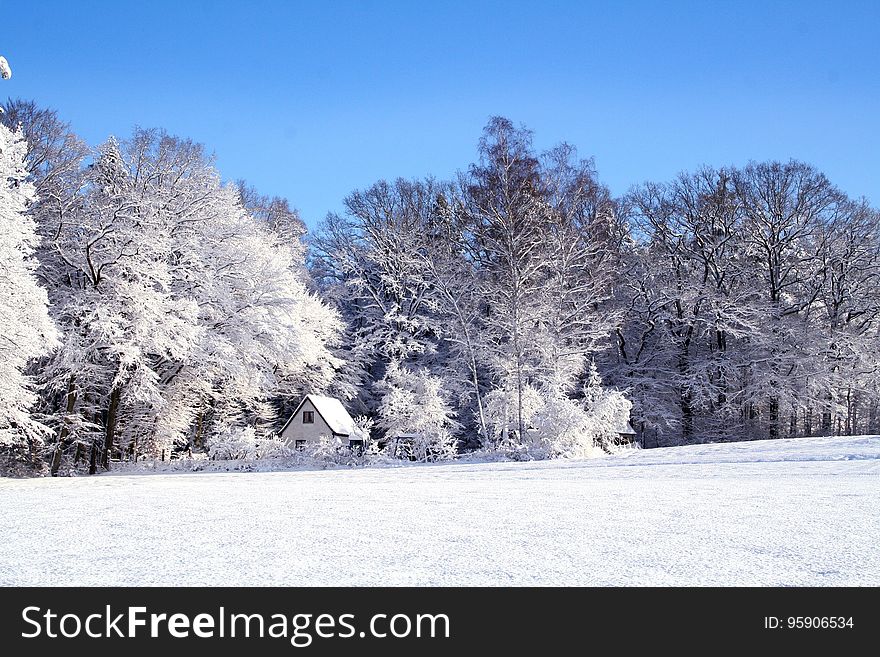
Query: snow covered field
point(785, 512)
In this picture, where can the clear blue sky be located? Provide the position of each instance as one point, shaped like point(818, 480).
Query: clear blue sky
point(310, 100)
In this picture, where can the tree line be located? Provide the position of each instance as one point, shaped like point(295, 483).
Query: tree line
point(517, 307)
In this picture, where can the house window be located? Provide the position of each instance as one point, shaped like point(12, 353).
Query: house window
point(356, 446)
point(308, 417)
point(300, 445)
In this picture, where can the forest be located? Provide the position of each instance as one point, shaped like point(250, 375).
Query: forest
point(151, 309)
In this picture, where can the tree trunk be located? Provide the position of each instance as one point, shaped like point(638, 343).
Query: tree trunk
point(56, 460)
point(685, 401)
point(112, 413)
point(519, 381)
point(851, 413)
point(826, 423)
point(721, 339)
point(64, 430)
point(484, 432)
point(826, 417)
point(472, 362)
point(71, 403)
point(200, 423)
point(774, 417)
point(519, 405)
point(687, 417)
point(93, 459)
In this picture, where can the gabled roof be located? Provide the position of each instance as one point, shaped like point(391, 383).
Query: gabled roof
point(331, 411)
point(627, 429)
point(334, 413)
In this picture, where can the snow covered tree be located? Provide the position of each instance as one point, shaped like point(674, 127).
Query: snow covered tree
point(120, 314)
point(186, 313)
point(282, 220)
point(509, 407)
point(415, 415)
point(847, 318)
point(689, 298)
point(371, 264)
point(504, 213)
point(543, 236)
point(787, 211)
point(583, 231)
point(495, 283)
point(28, 332)
point(54, 157)
point(734, 302)
point(454, 295)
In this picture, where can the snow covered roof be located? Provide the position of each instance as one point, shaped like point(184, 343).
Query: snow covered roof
point(333, 412)
point(627, 429)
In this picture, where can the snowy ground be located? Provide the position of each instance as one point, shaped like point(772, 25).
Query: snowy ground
point(786, 512)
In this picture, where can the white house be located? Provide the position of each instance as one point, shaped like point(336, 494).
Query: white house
point(318, 416)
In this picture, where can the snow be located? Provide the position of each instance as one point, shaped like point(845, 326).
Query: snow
point(769, 513)
point(334, 414)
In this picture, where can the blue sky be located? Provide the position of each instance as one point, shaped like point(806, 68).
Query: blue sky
point(310, 100)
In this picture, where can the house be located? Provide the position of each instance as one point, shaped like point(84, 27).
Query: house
point(626, 433)
point(318, 417)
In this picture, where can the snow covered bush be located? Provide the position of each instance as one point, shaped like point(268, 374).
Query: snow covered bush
point(243, 443)
point(565, 429)
point(608, 410)
point(333, 451)
point(363, 430)
point(502, 419)
point(415, 415)
point(233, 443)
point(271, 447)
point(556, 425)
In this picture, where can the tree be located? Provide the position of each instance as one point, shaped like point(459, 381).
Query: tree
point(691, 305)
point(583, 233)
point(371, 264)
point(542, 236)
point(54, 152)
point(846, 316)
point(788, 210)
point(504, 216)
point(28, 332)
point(495, 285)
point(740, 296)
point(186, 312)
point(415, 416)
